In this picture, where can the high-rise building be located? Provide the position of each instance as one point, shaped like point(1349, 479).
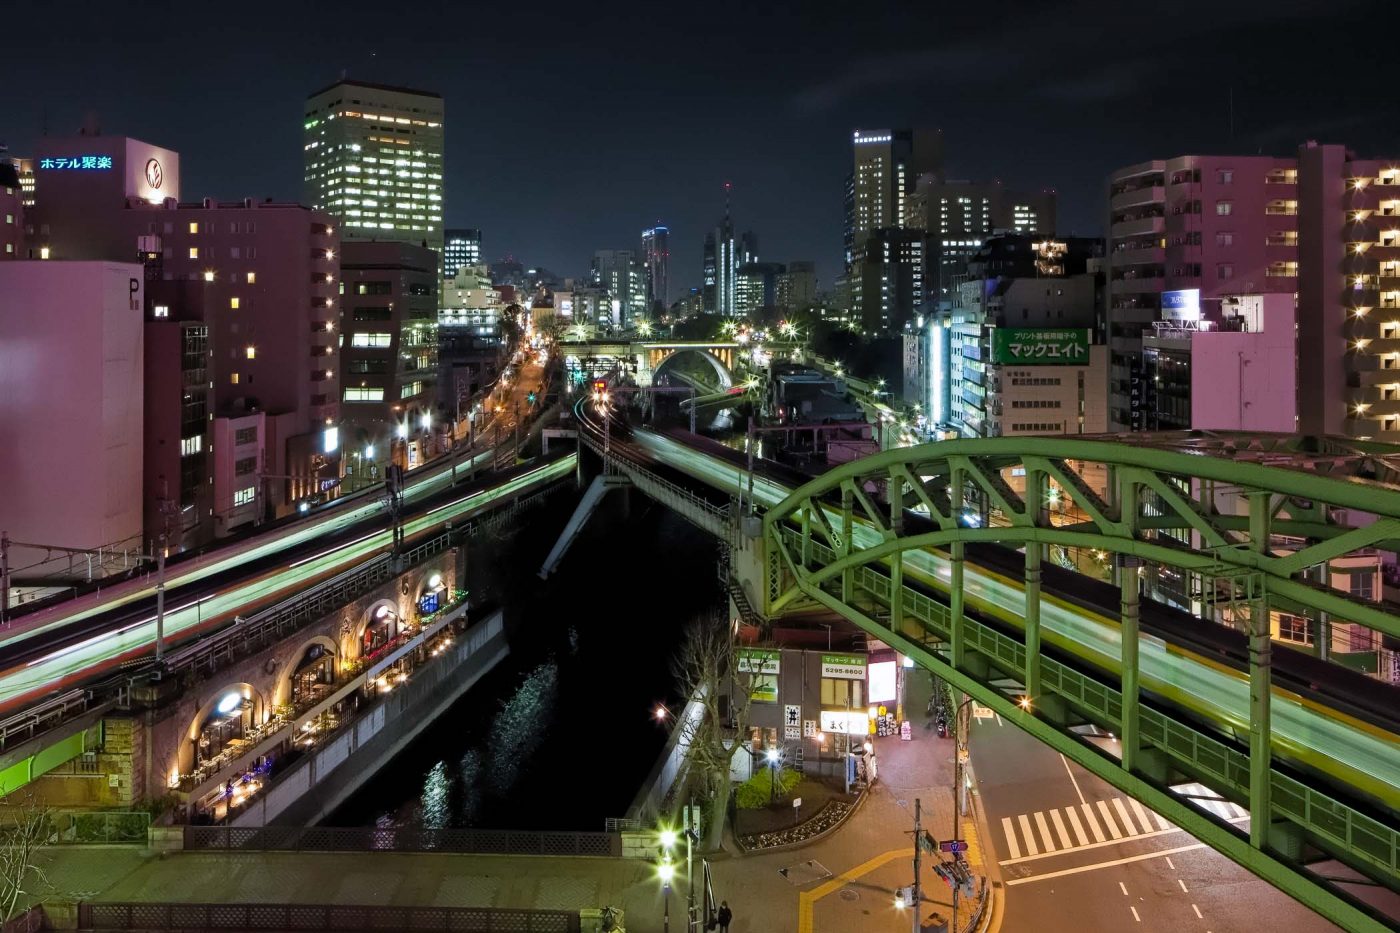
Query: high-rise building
point(388, 357)
point(886, 165)
point(959, 216)
point(797, 287)
point(460, 248)
point(11, 212)
point(656, 254)
point(623, 276)
point(887, 279)
point(1184, 236)
point(267, 284)
point(756, 287)
point(374, 158)
point(709, 275)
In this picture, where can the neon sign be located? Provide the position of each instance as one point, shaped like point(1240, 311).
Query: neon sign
point(78, 162)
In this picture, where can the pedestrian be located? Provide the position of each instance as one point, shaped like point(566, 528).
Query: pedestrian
point(724, 916)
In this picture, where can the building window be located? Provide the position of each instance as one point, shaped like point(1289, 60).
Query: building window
point(194, 252)
point(842, 694)
point(364, 394)
point(377, 341)
point(252, 277)
point(1224, 208)
point(245, 466)
point(1362, 584)
point(193, 445)
point(244, 496)
point(1224, 271)
point(245, 436)
point(1224, 239)
point(1225, 176)
point(233, 378)
point(252, 352)
point(194, 226)
point(161, 311)
point(233, 303)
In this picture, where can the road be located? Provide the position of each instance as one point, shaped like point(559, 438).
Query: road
point(1077, 856)
point(1360, 756)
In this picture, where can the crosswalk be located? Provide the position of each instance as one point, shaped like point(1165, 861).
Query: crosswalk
point(1099, 822)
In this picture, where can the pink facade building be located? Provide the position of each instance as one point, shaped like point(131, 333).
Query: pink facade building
point(1185, 235)
point(263, 281)
point(70, 377)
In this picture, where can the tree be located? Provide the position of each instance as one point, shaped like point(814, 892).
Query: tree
point(707, 669)
point(24, 830)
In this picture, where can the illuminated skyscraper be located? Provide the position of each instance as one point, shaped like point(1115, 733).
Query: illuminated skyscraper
point(461, 249)
point(656, 254)
point(373, 156)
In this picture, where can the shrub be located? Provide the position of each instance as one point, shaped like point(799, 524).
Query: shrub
point(757, 791)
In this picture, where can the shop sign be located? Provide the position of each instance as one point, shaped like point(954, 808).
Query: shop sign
point(845, 722)
point(884, 683)
point(764, 688)
point(792, 716)
point(1032, 347)
point(89, 162)
point(843, 666)
point(809, 728)
point(759, 660)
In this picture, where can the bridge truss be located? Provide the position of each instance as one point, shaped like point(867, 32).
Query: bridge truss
point(882, 541)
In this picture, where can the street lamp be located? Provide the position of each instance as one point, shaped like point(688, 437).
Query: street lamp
point(772, 756)
point(661, 717)
point(666, 872)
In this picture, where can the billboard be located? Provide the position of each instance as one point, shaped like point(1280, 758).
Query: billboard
point(1037, 347)
point(1182, 305)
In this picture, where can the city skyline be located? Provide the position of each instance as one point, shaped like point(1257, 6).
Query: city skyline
point(781, 137)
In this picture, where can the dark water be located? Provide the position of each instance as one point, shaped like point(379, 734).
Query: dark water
point(560, 735)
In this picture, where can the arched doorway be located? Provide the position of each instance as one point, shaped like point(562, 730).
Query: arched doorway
point(382, 626)
point(313, 674)
point(434, 594)
point(222, 725)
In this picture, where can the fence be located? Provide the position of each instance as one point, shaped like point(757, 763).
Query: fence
point(80, 827)
point(372, 839)
point(322, 917)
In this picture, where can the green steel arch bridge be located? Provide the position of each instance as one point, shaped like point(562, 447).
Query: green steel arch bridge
point(940, 551)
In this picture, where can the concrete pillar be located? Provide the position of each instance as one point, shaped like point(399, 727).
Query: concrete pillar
point(956, 619)
point(1035, 505)
point(1260, 683)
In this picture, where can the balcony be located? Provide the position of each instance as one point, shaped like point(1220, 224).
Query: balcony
point(1140, 227)
point(1149, 255)
point(1148, 194)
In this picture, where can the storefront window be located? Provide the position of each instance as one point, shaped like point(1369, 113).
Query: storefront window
point(313, 675)
point(842, 694)
point(381, 629)
point(224, 727)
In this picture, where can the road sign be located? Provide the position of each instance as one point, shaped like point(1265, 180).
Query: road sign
point(953, 845)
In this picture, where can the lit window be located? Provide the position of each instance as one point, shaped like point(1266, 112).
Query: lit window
point(364, 394)
point(233, 378)
point(244, 496)
point(233, 303)
point(194, 228)
point(377, 341)
point(1224, 208)
point(191, 445)
point(161, 311)
point(208, 275)
point(252, 277)
point(252, 352)
point(43, 252)
point(194, 252)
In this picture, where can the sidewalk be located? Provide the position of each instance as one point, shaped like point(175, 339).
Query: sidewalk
point(868, 858)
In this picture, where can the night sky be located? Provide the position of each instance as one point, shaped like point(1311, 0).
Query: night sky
point(571, 128)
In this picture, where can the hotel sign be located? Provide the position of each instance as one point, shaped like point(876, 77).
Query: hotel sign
point(1030, 347)
point(93, 162)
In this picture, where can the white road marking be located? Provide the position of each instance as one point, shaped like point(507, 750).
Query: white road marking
point(1123, 813)
point(1078, 827)
point(1092, 821)
point(1071, 778)
point(1108, 821)
point(1170, 863)
point(1162, 821)
point(1141, 812)
point(1099, 865)
point(1060, 829)
point(1135, 913)
point(1030, 836)
point(1124, 888)
point(1183, 886)
point(1045, 831)
point(1198, 912)
point(1010, 831)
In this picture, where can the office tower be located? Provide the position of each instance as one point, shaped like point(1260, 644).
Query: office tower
point(656, 253)
point(886, 281)
point(374, 159)
point(621, 273)
point(709, 277)
point(388, 357)
point(1187, 236)
point(886, 165)
point(797, 287)
point(756, 287)
point(460, 248)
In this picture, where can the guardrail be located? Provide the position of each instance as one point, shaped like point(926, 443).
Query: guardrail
point(705, 515)
point(374, 839)
point(37, 719)
point(137, 916)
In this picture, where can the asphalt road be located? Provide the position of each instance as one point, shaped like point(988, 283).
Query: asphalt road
point(1077, 856)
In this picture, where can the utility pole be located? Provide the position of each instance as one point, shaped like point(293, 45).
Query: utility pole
point(160, 600)
point(918, 897)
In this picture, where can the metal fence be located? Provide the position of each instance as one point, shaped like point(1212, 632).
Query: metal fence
point(101, 826)
point(287, 917)
point(372, 839)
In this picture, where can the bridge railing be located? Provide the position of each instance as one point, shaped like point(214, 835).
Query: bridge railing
point(146, 916)
point(698, 510)
point(404, 839)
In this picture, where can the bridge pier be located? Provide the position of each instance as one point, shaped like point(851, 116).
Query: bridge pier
point(1260, 682)
point(957, 623)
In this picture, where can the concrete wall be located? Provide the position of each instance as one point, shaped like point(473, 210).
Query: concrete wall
point(71, 381)
point(1247, 381)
